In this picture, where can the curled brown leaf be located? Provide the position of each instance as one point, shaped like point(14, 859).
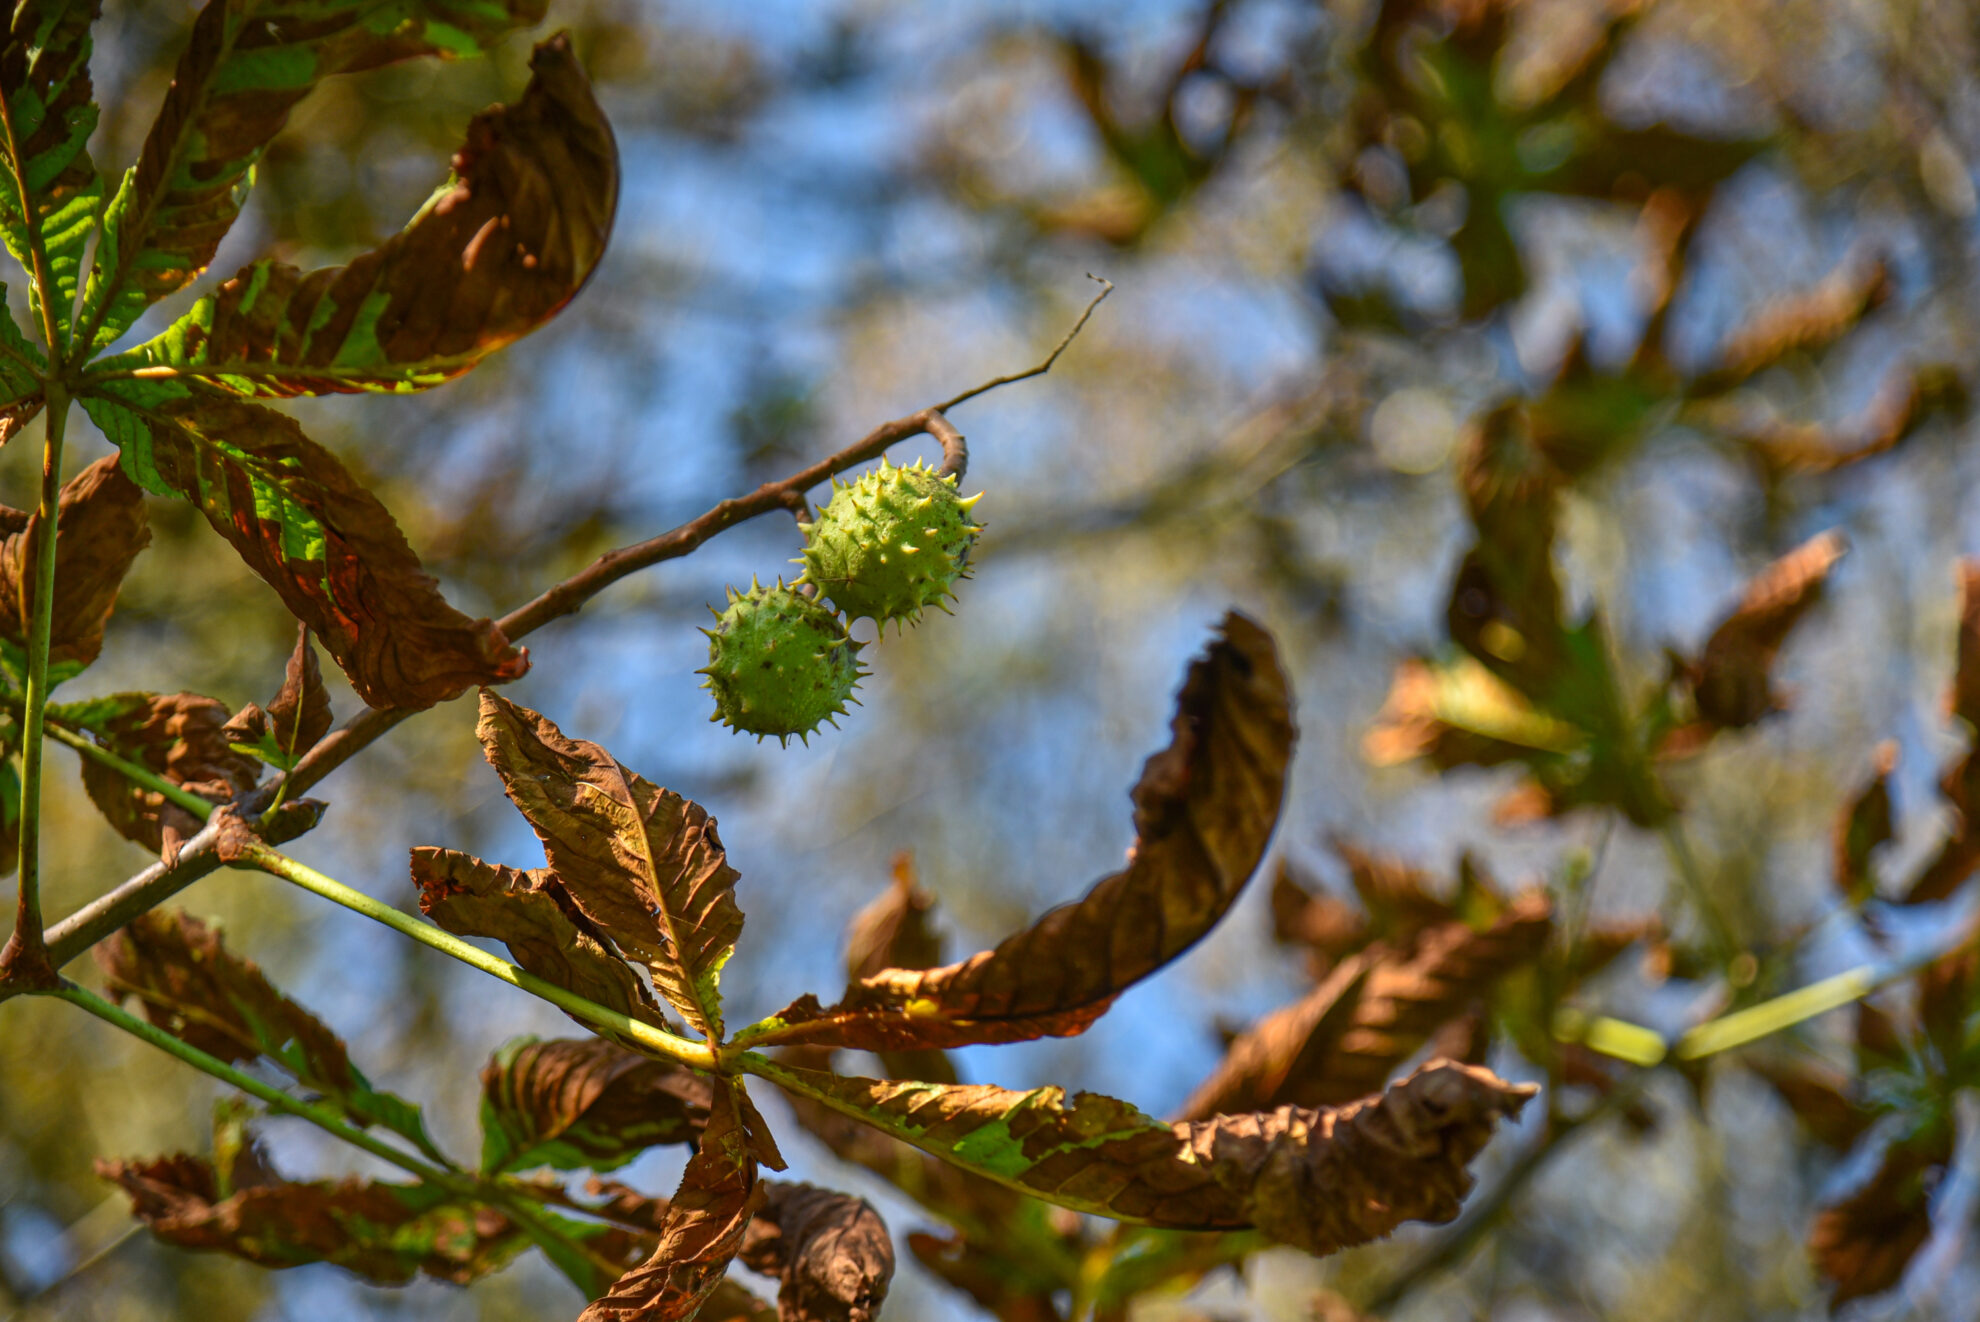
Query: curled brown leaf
point(182, 737)
point(584, 1102)
point(1732, 680)
point(830, 1249)
point(1862, 1244)
point(1204, 809)
point(100, 528)
point(296, 717)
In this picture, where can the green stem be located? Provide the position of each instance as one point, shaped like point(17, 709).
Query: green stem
point(508, 1200)
point(132, 771)
point(30, 947)
point(695, 1055)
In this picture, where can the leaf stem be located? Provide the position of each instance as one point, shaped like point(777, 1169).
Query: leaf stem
point(131, 771)
point(694, 1055)
point(26, 957)
point(507, 1198)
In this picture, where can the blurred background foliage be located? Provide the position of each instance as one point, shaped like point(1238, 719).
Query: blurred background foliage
point(1634, 297)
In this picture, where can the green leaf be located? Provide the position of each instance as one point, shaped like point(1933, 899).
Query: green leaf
point(246, 66)
point(51, 111)
point(304, 524)
point(96, 715)
point(507, 242)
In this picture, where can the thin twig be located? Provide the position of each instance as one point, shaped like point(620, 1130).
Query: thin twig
point(1106, 288)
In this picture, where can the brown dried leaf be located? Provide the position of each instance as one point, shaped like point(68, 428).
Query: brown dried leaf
point(1330, 928)
point(192, 987)
point(1866, 825)
point(1965, 697)
point(298, 716)
point(1803, 321)
point(701, 1231)
point(1347, 1036)
point(642, 863)
point(1319, 1180)
point(531, 914)
point(181, 736)
point(1862, 1244)
point(731, 1302)
point(310, 530)
point(510, 240)
point(1204, 810)
point(830, 1250)
point(100, 528)
point(386, 1233)
point(1960, 854)
point(583, 1102)
point(1731, 681)
point(893, 932)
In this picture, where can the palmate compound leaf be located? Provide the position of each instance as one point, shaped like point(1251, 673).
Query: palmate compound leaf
point(578, 1103)
point(302, 522)
point(534, 916)
point(644, 865)
point(509, 240)
point(246, 65)
point(44, 75)
point(702, 1229)
point(386, 1233)
point(830, 1250)
point(1320, 1180)
point(193, 987)
point(1204, 809)
point(100, 528)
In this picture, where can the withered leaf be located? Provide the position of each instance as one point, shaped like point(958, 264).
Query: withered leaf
point(298, 716)
point(511, 238)
point(1862, 828)
point(893, 932)
point(386, 1233)
point(1732, 680)
point(1966, 671)
point(531, 914)
point(1302, 915)
point(1960, 854)
point(1802, 322)
point(1343, 1039)
point(1204, 810)
point(181, 736)
point(730, 1302)
point(44, 69)
point(642, 863)
point(701, 1231)
point(193, 987)
point(1862, 1244)
point(245, 66)
point(830, 1250)
point(303, 523)
point(100, 528)
point(1320, 1180)
point(583, 1102)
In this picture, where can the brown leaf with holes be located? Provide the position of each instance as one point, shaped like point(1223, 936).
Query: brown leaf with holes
point(193, 987)
point(830, 1249)
point(1862, 1244)
point(386, 1233)
point(701, 1231)
point(1732, 681)
point(1343, 1039)
point(1204, 809)
point(182, 737)
point(643, 864)
point(1320, 1180)
point(295, 718)
point(100, 527)
point(583, 1102)
point(1863, 828)
point(531, 914)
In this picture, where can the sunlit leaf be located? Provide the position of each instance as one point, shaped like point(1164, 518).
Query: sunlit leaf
point(583, 1102)
point(513, 236)
point(532, 915)
point(642, 863)
point(245, 66)
point(326, 545)
point(51, 112)
point(192, 986)
point(295, 719)
point(1319, 1180)
point(1204, 810)
point(386, 1233)
point(701, 1232)
point(830, 1250)
point(100, 528)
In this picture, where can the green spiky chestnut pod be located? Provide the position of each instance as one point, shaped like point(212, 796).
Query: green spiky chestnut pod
point(891, 544)
point(779, 663)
